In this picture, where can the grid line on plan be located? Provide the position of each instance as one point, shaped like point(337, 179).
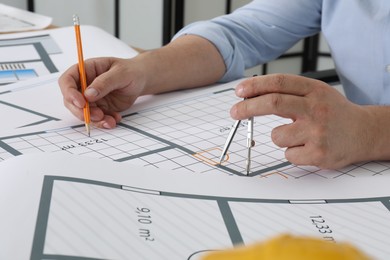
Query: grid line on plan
point(186, 135)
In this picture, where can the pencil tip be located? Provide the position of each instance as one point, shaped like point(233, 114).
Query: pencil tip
point(88, 130)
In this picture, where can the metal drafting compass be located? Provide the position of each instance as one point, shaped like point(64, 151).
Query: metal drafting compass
point(249, 142)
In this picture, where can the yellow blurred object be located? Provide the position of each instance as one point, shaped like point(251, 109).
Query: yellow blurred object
point(287, 247)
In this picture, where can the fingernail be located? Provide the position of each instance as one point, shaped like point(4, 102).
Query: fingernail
point(239, 90)
point(94, 117)
point(106, 125)
point(91, 92)
point(233, 112)
point(77, 104)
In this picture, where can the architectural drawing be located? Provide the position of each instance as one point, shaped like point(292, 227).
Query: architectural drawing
point(151, 224)
point(186, 134)
point(26, 58)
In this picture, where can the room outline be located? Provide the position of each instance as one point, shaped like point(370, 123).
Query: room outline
point(224, 205)
point(12, 71)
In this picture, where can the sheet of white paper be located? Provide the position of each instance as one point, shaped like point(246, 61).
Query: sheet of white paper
point(73, 206)
point(14, 19)
point(35, 102)
point(19, 53)
point(39, 100)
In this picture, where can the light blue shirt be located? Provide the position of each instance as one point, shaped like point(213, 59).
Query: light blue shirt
point(357, 32)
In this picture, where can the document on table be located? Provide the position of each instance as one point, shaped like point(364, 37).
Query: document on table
point(182, 130)
point(39, 101)
point(14, 19)
point(58, 205)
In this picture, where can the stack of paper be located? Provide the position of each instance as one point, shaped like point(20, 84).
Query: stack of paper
point(14, 19)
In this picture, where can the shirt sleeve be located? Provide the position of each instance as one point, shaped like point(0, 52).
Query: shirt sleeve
point(258, 32)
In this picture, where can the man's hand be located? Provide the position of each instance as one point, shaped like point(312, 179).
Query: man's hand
point(113, 86)
point(327, 130)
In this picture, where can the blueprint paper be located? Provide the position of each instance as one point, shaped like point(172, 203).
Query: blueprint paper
point(70, 206)
point(178, 130)
point(39, 101)
point(182, 130)
point(33, 102)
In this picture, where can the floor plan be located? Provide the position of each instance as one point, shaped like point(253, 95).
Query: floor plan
point(150, 224)
point(26, 58)
point(185, 134)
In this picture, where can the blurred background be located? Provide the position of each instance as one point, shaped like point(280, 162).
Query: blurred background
point(150, 24)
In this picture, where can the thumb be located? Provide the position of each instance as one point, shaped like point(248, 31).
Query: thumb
point(104, 84)
point(92, 94)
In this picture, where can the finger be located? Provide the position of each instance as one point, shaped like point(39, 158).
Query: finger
point(289, 135)
point(96, 113)
point(108, 121)
point(116, 116)
point(276, 83)
point(312, 153)
point(75, 110)
point(97, 66)
point(302, 155)
point(70, 80)
point(287, 106)
point(69, 85)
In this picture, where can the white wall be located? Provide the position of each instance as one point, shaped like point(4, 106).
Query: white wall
point(16, 3)
point(140, 21)
point(196, 10)
point(94, 12)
